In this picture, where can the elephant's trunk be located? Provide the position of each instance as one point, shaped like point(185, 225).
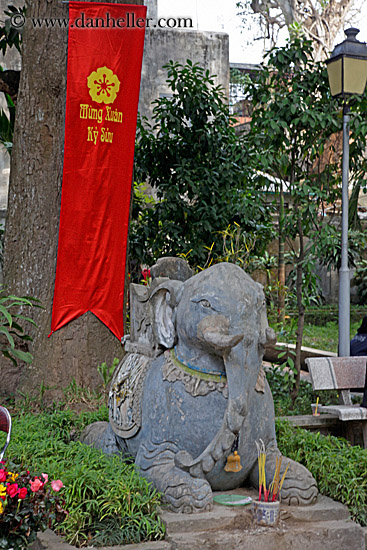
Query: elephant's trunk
point(237, 373)
point(214, 329)
point(221, 341)
point(270, 337)
point(241, 379)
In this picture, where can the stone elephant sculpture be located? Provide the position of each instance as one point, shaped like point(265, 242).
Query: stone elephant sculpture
point(181, 411)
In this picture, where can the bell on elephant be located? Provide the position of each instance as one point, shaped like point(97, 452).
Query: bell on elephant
point(180, 409)
point(233, 463)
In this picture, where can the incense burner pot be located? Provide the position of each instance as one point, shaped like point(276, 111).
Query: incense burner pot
point(192, 389)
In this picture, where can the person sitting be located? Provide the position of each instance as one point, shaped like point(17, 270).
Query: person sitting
point(358, 345)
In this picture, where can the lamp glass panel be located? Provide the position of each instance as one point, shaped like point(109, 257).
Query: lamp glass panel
point(355, 75)
point(334, 71)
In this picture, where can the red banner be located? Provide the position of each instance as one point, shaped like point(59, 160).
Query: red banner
point(105, 50)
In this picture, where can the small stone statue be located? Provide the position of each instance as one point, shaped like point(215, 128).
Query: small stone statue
point(191, 391)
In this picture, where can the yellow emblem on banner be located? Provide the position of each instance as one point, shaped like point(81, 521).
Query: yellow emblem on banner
point(103, 85)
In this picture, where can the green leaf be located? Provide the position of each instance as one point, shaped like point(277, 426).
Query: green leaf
point(22, 355)
point(6, 314)
point(5, 331)
point(28, 319)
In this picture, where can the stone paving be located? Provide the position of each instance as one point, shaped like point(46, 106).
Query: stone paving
point(325, 525)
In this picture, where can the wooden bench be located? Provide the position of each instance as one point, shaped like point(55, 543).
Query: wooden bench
point(343, 374)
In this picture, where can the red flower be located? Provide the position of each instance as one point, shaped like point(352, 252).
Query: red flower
point(146, 275)
point(57, 485)
point(12, 490)
point(36, 485)
point(3, 475)
point(22, 493)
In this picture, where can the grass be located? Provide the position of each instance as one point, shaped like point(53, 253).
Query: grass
point(325, 337)
point(107, 501)
point(316, 336)
point(339, 468)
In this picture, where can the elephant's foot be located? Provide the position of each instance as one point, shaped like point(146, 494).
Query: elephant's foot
point(299, 487)
point(100, 436)
point(181, 491)
point(184, 493)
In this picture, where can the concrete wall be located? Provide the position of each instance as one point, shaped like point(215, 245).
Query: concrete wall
point(152, 8)
point(209, 49)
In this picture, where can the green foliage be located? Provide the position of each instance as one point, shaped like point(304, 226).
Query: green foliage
point(292, 122)
point(360, 278)
point(327, 246)
point(357, 156)
point(12, 333)
point(281, 384)
point(99, 489)
point(339, 468)
point(281, 381)
point(293, 118)
point(106, 372)
point(9, 35)
point(238, 246)
point(237, 80)
point(7, 124)
point(311, 288)
point(198, 168)
point(266, 263)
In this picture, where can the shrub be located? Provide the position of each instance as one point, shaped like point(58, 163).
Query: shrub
point(12, 334)
point(27, 505)
point(99, 489)
point(339, 468)
point(199, 170)
point(281, 382)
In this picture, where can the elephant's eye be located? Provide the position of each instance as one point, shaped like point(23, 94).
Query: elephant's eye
point(205, 303)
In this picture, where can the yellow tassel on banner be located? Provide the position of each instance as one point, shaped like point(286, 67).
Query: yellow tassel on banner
point(233, 463)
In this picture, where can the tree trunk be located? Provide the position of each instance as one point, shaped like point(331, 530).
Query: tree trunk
point(281, 263)
point(301, 313)
point(320, 21)
point(33, 217)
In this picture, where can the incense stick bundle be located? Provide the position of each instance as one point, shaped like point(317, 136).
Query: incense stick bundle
point(275, 483)
point(283, 478)
point(261, 457)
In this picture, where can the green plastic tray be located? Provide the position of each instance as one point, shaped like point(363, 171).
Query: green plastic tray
point(232, 500)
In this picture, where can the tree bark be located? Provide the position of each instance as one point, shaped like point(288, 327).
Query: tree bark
point(321, 21)
point(33, 217)
point(281, 262)
point(301, 313)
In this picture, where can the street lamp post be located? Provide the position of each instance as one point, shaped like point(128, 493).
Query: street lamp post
point(347, 72)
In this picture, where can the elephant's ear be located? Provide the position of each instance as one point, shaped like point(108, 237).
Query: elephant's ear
point(163, 302)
